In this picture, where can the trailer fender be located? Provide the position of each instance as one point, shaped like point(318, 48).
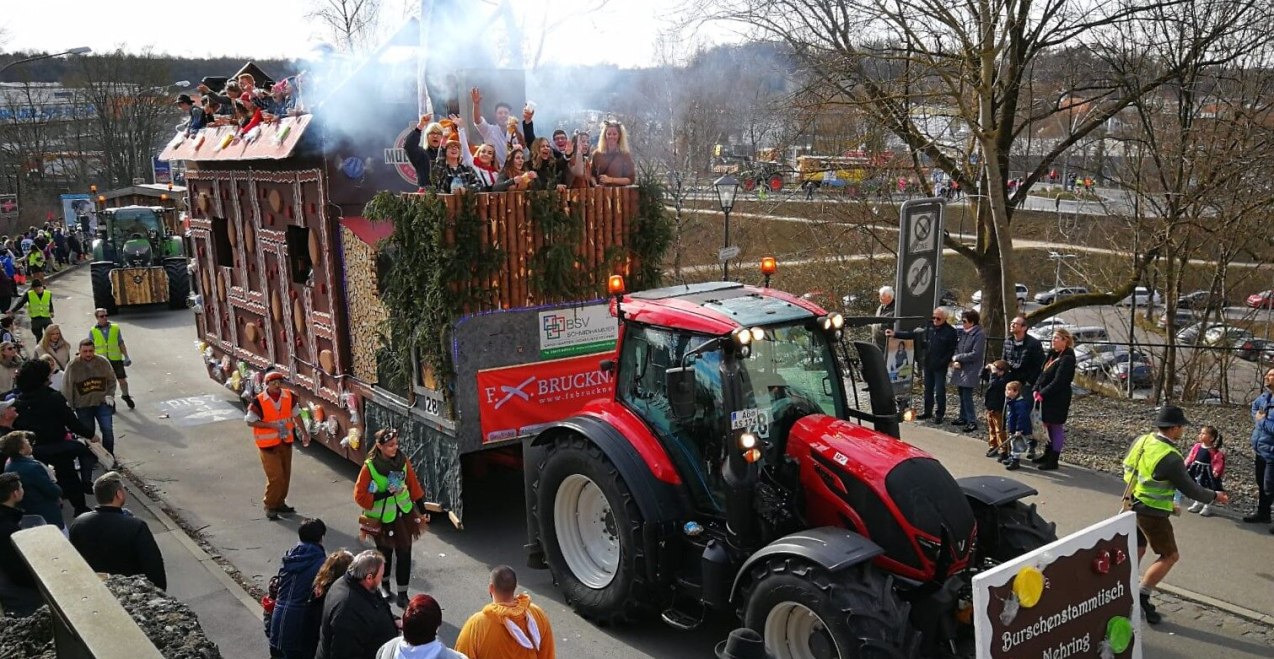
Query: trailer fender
point(994, 490)
point(829, 547)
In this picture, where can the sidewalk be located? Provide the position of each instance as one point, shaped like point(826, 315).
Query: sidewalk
point(1224, 563)
point(229, 616)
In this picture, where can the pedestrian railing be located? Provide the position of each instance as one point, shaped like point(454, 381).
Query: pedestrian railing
point(88, 622)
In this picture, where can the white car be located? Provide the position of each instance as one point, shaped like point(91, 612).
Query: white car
point(1022, 293)
point(1139, 296)
point(1044, 329)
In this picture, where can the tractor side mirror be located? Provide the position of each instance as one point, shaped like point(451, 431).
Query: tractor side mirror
point(680, 385)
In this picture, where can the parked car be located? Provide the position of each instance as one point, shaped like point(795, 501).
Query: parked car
point(1226, 335)
point(1257, 350)
point(1182, 318)
point(1088, 334)
point(1044, 329)
point(1090, 352)
point(1193, 334)
point(1262, 300)
point(1022, 293)
point(1104, 359)
point(1060, 293)
point(1139, 297)
point(1202, 300)
point(1142, 374)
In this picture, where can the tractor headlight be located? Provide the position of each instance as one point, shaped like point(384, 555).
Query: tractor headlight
point(741, 336)
point(832, 322)
point(758, 334)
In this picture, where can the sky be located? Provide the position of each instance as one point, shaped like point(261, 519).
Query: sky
point(622, 32)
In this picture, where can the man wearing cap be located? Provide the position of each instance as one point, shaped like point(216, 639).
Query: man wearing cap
point(273, 417)
point(421, 621)
point(197, 119)
point(108, 342)
point(39, 303)
point(8, 414)
point(1155, 470)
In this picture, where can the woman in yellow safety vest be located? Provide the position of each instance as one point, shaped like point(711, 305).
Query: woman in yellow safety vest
point(393, 507)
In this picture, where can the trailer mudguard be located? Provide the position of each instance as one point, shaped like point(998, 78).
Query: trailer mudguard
point(659, 501)
point(995, 490)
point(829, 547)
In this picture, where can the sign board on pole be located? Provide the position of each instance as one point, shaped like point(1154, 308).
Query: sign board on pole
point(1076, 597)
point(726, 253)
point(162, 170)
point(8, 206)
point(919, 259)
point(74, 206)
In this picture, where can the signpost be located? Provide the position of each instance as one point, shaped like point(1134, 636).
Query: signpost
point(919, 258)
point(1076, 597)
point(726, 253)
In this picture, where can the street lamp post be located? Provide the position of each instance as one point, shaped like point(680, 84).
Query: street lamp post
point(727, 188)
point(82, 50)
point(1057, 275)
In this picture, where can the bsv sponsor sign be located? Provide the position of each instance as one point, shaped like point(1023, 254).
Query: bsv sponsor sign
point(1076, 597)
point(521, 400)
point(577, 331)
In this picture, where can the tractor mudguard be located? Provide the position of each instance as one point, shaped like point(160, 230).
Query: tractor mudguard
point(658, 501)
point(828, 547)
point(995, 490)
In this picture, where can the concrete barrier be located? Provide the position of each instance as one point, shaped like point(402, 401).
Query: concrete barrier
point(88, 622)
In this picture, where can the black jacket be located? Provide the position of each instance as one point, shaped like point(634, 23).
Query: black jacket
point(939, 345)
point(1025, 358)
point(421, 158)
point(1054, 386)
point(10, 561)
point(111, 540)
point(46, 413)
point(356, 622)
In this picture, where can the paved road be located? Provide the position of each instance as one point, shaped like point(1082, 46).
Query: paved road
point(206, 470)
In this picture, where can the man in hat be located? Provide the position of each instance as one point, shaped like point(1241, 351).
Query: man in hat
point(743, 643)
point(1155, 470)
point(273, 415)
point(197, 120)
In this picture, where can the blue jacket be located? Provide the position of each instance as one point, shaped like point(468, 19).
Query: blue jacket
point(1017, 416)
point(1263, 431)
point(43, 496)
point(296, 585)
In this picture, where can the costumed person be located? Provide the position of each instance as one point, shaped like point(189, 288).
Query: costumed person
point(273, 415)
point(510, 626)
point(393, 504)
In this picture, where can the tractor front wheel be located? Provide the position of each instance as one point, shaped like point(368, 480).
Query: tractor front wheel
point(805, 612)
point(178, 282)
point(103, 295)
point(776, 182)
point(590, 528)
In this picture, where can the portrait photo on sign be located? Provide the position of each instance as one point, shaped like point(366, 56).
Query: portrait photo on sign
point(900, 358)
point(924, 236)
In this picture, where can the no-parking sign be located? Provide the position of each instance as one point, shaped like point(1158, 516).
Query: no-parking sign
point(919, 258)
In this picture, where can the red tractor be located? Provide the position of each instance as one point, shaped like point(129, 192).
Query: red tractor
point(734, 470)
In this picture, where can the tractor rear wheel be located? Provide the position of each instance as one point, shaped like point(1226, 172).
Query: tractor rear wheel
point(103, 296)
point(775, 182)
point(805, 612)
point(178, 282)
point(590, 529)
point(1010, 530)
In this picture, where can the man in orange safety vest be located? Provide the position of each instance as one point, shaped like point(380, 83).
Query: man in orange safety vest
point(274, 416)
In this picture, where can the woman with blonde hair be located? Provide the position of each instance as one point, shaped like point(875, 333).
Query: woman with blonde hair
point(393, 504)
point(1053, 395)
point(54, 345)
point(335, 567)
point(485, 167)
point(612, 163)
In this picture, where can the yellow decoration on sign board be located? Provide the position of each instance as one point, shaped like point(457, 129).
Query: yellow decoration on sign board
point(1028, 585)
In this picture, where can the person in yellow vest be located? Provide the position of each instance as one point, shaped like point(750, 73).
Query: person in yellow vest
point(108, 341)
point(39, 303)
point(35, 262)
point(1159, 470)
point(388, 492)
point(274, 417)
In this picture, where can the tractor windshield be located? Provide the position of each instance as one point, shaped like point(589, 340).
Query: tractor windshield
point(789, 374)
point(134, 223)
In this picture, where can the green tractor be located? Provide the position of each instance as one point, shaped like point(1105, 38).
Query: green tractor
point(138, 259)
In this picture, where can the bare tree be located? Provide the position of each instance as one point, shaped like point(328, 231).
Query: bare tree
point(351, 22)
point(133, 111)
point(977, 63)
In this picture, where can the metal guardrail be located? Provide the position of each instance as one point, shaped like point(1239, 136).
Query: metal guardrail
point(88, 622)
